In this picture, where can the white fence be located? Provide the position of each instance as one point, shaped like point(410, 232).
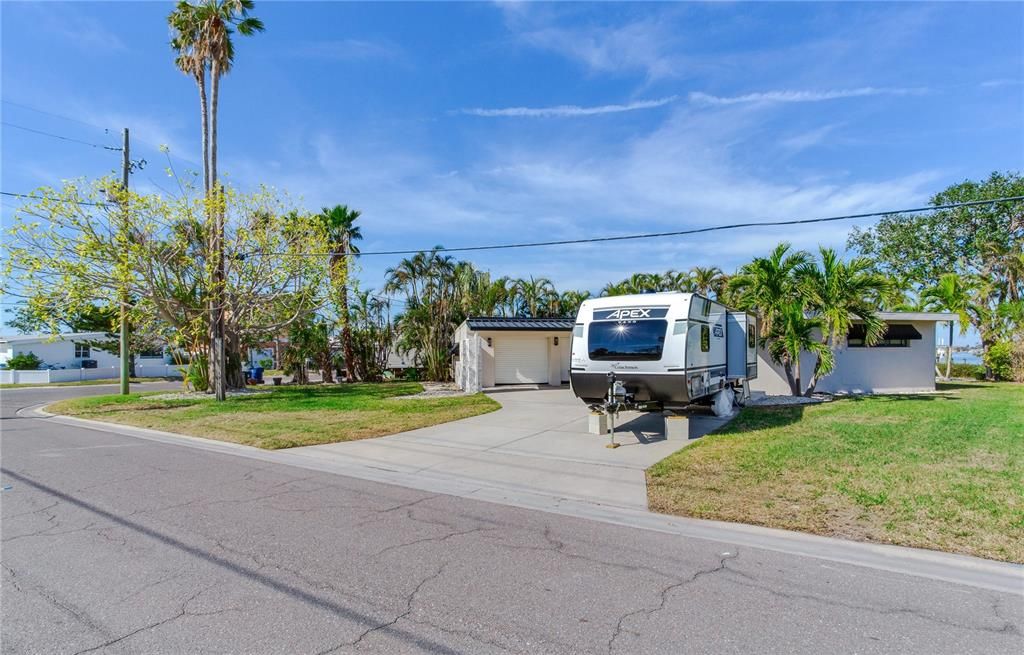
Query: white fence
point(80, 374)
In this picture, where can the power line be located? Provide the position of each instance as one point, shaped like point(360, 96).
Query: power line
point(55, 115)
point(107, 130)
point(653, 235)
point(58, 136)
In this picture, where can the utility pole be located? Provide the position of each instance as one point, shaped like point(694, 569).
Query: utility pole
point(125, 166)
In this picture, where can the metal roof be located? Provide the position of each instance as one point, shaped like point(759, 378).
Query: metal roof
point(519, 323)
point(916, 316)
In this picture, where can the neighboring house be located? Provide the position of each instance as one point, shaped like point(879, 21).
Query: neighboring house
point(71, 357)
point(61, 351)
point(494, 350)
point(903, 362)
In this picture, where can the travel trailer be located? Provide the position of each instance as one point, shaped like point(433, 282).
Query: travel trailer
point(660, 351)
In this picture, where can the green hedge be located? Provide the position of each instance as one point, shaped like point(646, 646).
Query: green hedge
point(973, 371)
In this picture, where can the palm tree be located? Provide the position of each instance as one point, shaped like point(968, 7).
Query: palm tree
point(951, 294)
point(791, 334)
point(615, 289)
point(709, 280)
point(767, 284)
point(839, 292)
point(673, 280)
point(534, 296)
point(570, 301)
point(339, 223)
point(201, 39)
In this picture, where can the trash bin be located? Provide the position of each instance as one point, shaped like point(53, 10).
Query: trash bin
point(257, 374)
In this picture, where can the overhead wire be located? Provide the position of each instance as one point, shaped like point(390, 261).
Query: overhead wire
point(653, 235)
point(61, 137)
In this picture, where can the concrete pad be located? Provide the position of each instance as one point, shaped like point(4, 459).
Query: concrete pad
point(538, 442)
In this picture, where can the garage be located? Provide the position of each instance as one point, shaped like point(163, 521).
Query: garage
point(520, 359)
point(496, 350)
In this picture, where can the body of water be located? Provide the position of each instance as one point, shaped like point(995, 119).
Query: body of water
point(961, 357)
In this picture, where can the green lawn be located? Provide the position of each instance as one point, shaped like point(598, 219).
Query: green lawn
point(82, 383)
point(943, 471)
point(286, 416)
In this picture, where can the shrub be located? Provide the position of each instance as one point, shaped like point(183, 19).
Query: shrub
point(197, 376)
point(999, 359)
point(266, 363)
point(1017, 357)
point(411, 374)
point(24, 362)
point(961, 370)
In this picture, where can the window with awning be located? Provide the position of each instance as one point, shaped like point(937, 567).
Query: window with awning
point(897, 335)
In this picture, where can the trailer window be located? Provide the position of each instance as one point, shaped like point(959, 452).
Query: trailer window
point(705, 338)
point(639, 341)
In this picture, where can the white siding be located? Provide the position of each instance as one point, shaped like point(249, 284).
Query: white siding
point(520, 359)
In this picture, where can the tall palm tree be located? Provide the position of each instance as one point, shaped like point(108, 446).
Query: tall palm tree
point(191, 59)
point(201, 39)
point(952, 294)
point(339, 223)
point(837, 293)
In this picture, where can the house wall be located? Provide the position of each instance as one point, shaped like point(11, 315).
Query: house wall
point(862, 370)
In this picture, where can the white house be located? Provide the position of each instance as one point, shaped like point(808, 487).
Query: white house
point(904, 361)
point(69, 357)
point(491, 351)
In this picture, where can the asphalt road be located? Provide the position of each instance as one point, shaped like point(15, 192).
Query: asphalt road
point(117, 544)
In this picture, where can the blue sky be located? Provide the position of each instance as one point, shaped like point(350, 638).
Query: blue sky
point(464, 123)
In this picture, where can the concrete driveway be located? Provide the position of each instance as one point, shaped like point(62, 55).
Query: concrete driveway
point(537, 442)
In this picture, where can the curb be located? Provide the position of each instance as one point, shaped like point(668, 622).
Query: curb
point(948, 567)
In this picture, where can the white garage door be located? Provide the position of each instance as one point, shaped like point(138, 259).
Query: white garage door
point(520, 360)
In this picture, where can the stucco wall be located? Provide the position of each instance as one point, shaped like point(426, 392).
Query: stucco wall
point(862, 370)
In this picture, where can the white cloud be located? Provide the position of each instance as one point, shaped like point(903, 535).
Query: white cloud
point(647, 46)
point(1001, 82)
point(568, 111)
point(700, 98)
point(808, 139)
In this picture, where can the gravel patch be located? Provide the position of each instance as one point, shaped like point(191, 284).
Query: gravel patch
point(435, 390)
point(202, 395)
point(779, 401)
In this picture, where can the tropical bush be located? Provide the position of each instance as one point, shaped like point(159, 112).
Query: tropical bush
point(960, 370)
point(24, 362)
point(999, 360)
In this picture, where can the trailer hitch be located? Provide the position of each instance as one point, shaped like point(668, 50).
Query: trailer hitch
point(617, 400)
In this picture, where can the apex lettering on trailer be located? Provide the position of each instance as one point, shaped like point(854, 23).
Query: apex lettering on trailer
point(629, 313)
